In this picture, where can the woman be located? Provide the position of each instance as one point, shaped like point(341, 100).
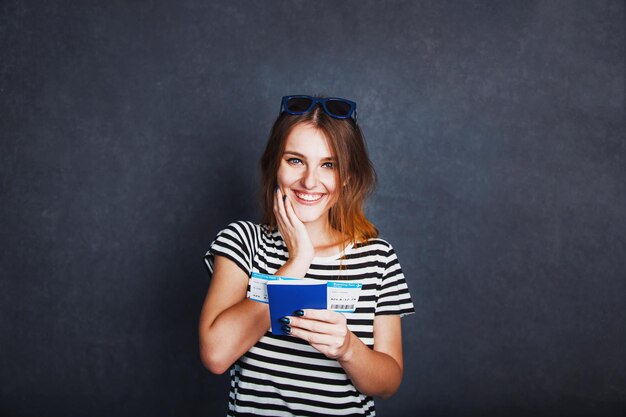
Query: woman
point(316, 174)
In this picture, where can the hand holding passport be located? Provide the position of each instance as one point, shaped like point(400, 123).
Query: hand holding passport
point(286, 295)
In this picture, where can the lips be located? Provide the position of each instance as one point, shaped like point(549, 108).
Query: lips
point(308, 198)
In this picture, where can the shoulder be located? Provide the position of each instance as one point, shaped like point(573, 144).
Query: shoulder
point(377, 250)
point(238, 241)
point(243, 224)
point(250, 233)
point(376, 244)
point(244, 227)
point(243, 233)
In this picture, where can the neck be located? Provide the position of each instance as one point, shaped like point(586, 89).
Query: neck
point(323, 236)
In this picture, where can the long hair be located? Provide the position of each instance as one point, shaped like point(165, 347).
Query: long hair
point(355, 175)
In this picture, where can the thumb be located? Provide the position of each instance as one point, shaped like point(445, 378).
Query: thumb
point(291, 214)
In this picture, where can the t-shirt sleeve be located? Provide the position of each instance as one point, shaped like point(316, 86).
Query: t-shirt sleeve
point(235, 242)
point(394, 297)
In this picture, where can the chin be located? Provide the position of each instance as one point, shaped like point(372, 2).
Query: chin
point(309, 216)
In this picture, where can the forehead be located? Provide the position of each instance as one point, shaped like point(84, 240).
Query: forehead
point(309, 141)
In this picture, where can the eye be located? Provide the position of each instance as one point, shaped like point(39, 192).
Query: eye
point(328, 165)
point(294, 161)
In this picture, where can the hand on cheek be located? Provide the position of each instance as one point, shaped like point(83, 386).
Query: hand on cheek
point(292, 229)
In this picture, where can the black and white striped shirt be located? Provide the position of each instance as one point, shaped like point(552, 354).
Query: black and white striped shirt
point(285, 376)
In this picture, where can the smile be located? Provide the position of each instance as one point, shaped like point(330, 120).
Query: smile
point(308, 197)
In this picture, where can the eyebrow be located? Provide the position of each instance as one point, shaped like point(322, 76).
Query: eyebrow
point(299, 155)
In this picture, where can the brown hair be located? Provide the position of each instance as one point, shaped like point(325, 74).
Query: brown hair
point(354, 169)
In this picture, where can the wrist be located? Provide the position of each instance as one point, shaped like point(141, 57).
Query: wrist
point(302, 255)
point(348, 355)
point(259, 311)
point(295, 267)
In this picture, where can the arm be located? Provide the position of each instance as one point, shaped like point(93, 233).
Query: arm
point(230, 323)
point(378, 371)
point(375, 372)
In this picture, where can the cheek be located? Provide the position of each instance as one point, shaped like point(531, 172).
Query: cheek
point(330, 183)
point(282, 176)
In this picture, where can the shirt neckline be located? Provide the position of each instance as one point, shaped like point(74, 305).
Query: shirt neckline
point(335, 256)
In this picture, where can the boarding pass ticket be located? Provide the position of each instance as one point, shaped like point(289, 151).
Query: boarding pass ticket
point(341, 296)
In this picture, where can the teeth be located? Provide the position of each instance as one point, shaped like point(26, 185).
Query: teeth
point(309, 197)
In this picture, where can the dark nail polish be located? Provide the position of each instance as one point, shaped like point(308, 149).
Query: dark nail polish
point(284, 198)
point(299, 313)
point(276, 189)
point(284, 320)
point(286, 329)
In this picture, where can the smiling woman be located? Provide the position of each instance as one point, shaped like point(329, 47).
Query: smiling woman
point(316, 175)
point(306, 175)
point(351, 164)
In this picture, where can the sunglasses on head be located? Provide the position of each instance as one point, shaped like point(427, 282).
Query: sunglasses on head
point(336, 107)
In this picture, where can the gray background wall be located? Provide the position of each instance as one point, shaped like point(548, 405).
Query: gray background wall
point(130, 134)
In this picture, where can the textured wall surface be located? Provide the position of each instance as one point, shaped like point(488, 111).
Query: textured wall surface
point(130, 134)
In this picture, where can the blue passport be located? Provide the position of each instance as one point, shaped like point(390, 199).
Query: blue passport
point(285, 297)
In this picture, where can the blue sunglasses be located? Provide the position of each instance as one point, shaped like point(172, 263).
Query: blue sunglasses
point(336, 107)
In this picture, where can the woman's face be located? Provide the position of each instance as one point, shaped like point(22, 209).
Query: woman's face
point(307, 174)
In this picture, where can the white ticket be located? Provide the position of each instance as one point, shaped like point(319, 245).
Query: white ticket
point(342, 296)
point(258, 286)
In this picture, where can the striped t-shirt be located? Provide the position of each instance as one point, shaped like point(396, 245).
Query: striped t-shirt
point(285, 376)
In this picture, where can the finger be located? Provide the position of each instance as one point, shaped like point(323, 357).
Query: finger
point(325, 315)
point(291, 213)
point(315, 326)
point(280, 206)
point(277, 216)
point(313, 338)
point(276, 202)
point(277, 199)
point(284, 204)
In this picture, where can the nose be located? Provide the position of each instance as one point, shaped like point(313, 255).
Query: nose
point(309, 179)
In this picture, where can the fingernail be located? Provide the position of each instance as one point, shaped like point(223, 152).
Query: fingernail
point(284, 320)
point(286, 329)
point(284, 197)
point(299, 313)
point(276, 189)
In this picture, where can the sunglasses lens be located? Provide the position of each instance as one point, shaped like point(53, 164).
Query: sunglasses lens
point(339, 108)
point(299, 104)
